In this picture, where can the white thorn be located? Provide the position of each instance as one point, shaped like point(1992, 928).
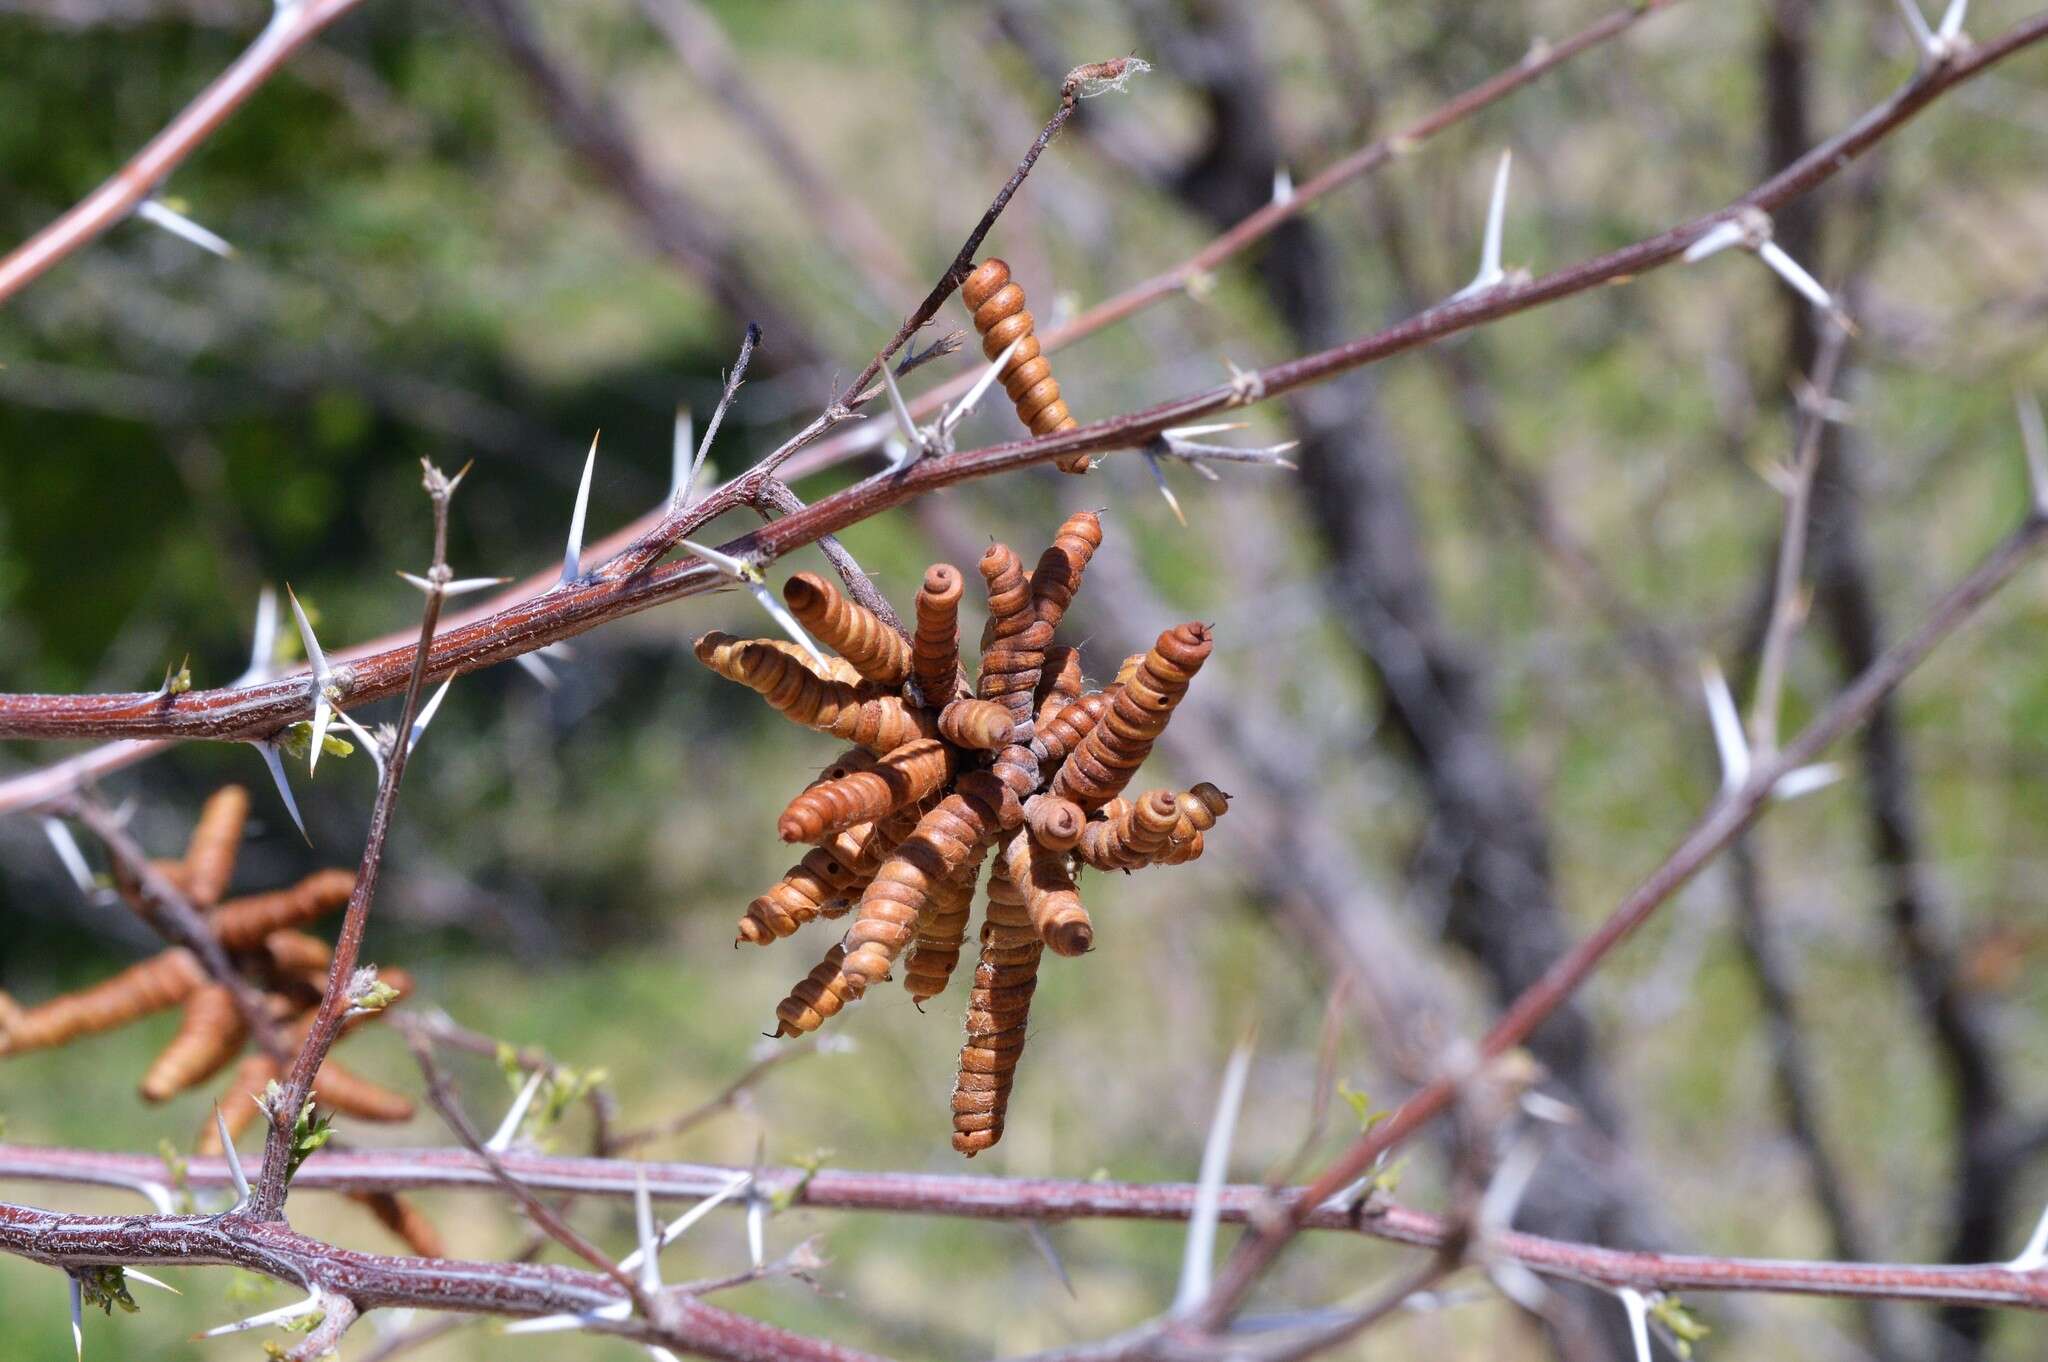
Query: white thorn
point(912, 436)
point(967, 403)
point(137, 1275)
point(1503, 1195)
point(650, 1255)
point(1716, 239)
point(757, 1230)
point(426, 715)
point(1638, 1320)
point(679, 457)
point(2034, 440)
point(323, 709)
point(460, 587)
point(1543, 1107)
point(1793, 273)
point(1197, 1263)
point(263, 647)
point(899, 453)
point(77, 1319)
point(739, 569)
point(282, 1315)
point(1490, 271)
point(368, 741)
point(1952, 23)
point(2034, 1256)
point(157, 214)
point(1520, 1285)
point(1283, 186)
point(534, 666)
point(1729, 739)
point(1923, 36)
point(515, 1115)
point(1159, 476)
point(1806, 780)
point(555, 1324)
point(66, 847)
point(1178, 433)
point(680, 1226)
point(234, 1159)
point(661, 1354)
point(268, 751)
point(157, 1195)
point(572, 559)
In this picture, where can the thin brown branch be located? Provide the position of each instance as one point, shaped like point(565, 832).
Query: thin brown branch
point(527, 624)
point(960, 1195)
point(292, 28)
point(441, 1092)
point(297, 1090)
point(1728, 817)
point(727, 1098)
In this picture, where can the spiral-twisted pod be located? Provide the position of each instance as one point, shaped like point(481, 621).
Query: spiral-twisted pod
point(162, 981)
point(871, 647)
point(982, 725)
point(242, 924)
point(940, 930)
point(1097, 771)
point(945, 839)
point(828, 875)
point(1064, 732)
point(210, 1035)
point(998, 1014)
point(902, 777)
point(1200, 806)
point(999, 315)
point(1057, 913)
point(935, 647)
point(1131, 833)
point(1058, 574)
point(215, 843)
point(877, 722)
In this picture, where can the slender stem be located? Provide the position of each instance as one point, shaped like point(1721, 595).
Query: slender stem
point(959, 1195)
point(1715, 829)
point(334, 1003)
point(525, 625)
point(291, 28)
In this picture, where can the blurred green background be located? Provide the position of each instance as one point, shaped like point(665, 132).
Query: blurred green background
point(425, 268)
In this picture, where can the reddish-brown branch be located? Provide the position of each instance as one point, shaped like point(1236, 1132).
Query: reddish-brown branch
point(1047, 1200)
point(372, 1281)
point(292, 28)
point(256, 711)
point(1715, 830)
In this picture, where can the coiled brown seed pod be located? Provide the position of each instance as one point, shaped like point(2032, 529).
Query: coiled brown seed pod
point(940, 930)
point(351, 1094)
point(935, 650)
point(1056, 824)
point(876, 722)
point(1059, 683)
point(903, 777)
point(831, 669)
point(209, 1035)
point(1061, 736)
point(983, 725)
point(1057, 913)
point(1058, 574)
point(1132, 833)
point(1097, 771)
point(405, 1220)
point(215, 843)
point(1014, 644)
point(856, 633)
point(241, 924)
point(999, 315)
point(827, 874)
point(164, 980)
point(817, 997)
point(238, 1103)
point(998, 1013)
point(298, 955)
point(946, 839)
point(1199, 809)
